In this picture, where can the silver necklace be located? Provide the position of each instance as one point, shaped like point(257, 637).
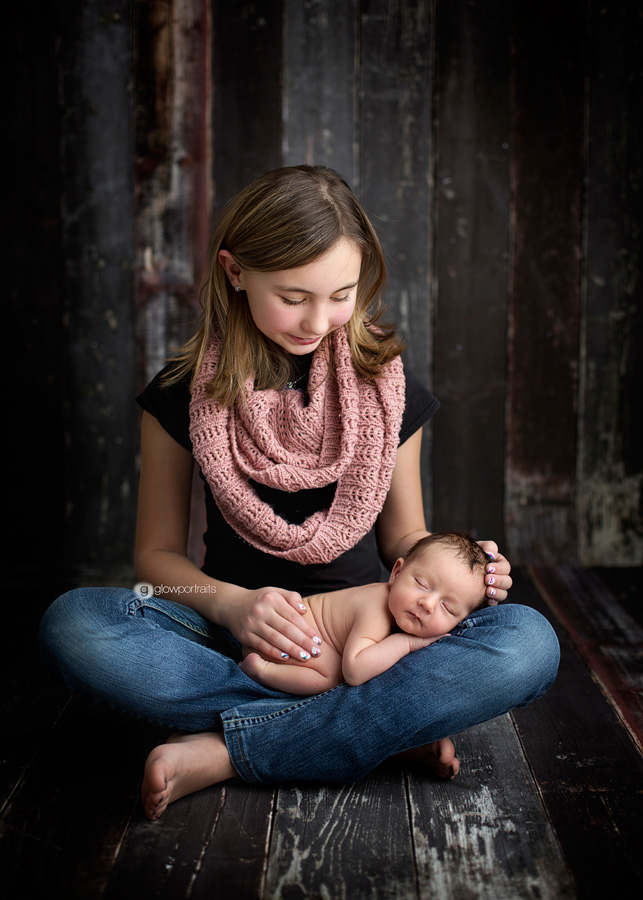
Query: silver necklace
point(291, 384)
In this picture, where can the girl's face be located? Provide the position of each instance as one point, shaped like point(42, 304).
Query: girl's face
point(297, 308)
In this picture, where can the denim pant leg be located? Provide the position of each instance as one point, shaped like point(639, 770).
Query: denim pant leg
point(148, 657)
point(498, 659)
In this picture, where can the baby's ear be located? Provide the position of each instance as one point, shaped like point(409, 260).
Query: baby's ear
point(397, 568)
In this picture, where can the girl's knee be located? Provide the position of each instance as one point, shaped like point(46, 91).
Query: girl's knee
point(535, 650)
point(521, 651)
point(67, 626)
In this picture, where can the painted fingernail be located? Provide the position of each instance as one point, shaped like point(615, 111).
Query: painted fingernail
point(284, 655)
point(316, 651)
point(490, 569)
point(492, 592)
point(317, 640)
point(492, 580)
point(304, 655)
point(301, 607)
point(491, 555)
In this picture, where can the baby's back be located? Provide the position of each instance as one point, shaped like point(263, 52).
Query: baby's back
point(332, 615)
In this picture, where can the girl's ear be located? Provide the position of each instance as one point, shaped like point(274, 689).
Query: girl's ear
point(231, 267)
point(397, 568)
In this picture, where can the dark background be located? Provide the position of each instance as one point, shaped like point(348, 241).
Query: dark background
point(497, 147)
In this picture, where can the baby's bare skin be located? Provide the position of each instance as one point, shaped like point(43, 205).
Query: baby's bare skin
point(331, 615)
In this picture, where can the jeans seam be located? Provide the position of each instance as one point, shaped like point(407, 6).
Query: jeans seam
point(239, 722)
point(135, 605)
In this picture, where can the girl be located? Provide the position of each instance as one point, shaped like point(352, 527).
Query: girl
point(306, 428)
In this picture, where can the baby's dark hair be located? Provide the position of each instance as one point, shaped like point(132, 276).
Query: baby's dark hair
point(465, 549)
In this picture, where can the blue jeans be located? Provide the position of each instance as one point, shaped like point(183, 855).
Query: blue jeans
point(161, 661)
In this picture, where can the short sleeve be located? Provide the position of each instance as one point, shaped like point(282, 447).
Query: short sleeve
point(420, 406)
point(170, 405)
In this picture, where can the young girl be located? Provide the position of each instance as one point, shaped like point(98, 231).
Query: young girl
point(306, 427)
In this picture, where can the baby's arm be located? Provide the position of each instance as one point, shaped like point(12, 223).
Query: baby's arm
point(365, 657)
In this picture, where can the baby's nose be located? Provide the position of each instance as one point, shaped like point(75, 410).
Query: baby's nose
point(428, 603)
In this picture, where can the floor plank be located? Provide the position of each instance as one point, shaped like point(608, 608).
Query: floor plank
point(65, 822)
point(485, 834)
point(345, 842)
point(606, 635)
point(588, 770)
point(216, 839)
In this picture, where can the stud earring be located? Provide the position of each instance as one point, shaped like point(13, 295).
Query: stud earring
point(237, 288)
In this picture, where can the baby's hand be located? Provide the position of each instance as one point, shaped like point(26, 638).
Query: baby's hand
point(417, 643)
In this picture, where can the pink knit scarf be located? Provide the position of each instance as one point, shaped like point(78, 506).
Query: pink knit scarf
point(348, 433)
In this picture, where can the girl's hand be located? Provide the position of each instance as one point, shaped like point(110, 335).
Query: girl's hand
point(270, 621)
point(497, 578)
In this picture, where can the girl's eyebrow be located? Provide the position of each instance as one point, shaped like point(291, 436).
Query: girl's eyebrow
point(298, 290)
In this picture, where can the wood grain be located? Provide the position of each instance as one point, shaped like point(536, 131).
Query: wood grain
point(473, 101)
point(589, 772)
point(543, 336)
point(486, 834)
point(610, 416)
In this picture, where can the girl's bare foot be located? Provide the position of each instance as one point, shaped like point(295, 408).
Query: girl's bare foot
point(185, 764)
point(439, 757)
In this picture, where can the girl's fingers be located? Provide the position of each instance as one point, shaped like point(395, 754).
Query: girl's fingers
point(497, 576)
point(277, 629)
point(277, 646)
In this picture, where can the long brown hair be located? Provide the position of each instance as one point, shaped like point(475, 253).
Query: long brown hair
point(283, 220)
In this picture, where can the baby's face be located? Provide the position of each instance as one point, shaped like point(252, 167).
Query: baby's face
point(432, 593)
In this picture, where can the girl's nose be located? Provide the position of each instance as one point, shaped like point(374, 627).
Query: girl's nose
point(315, 322)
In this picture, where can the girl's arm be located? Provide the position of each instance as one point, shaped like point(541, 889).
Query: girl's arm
point(268, 619)
point(401, 522)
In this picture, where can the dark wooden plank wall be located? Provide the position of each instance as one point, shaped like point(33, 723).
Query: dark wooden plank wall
point(497, 146)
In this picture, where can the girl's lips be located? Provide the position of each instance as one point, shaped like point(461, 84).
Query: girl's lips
point(299, 340)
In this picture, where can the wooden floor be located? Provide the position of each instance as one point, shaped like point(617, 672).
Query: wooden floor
point(549, 803)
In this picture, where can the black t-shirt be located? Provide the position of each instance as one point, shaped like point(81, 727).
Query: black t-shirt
point(229, 557)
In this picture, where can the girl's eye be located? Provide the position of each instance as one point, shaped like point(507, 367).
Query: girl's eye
point(291, 302)
point(342, 299)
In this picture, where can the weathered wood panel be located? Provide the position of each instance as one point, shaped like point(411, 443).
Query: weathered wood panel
point(320, 85)
point(547, 165)
point(610, 499)
point(471, 264)
point(342, 841)
point(247, 81)
point(173, 172)
point(206, 845)
point(589, 773)
point(95, 57)
point(605, 635)
point(396, 167)
point(486, 835)
point(61, 832)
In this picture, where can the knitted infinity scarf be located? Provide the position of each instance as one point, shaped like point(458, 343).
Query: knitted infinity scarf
point(348, 433)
